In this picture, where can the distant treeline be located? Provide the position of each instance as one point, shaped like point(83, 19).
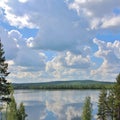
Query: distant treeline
point(84, 84)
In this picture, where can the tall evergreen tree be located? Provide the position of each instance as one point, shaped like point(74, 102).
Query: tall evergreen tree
point(87, 109)
point(116, 90)
point(4, 85)
point(102, 105)
point(12, 110)
point(21, 112)
point(109, 103)
point(15, 113)
point(6, 91)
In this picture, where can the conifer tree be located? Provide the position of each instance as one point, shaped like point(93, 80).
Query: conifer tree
point(87, 109)
point(116, 91)
point(21, 112)
point(6, 91)
point(102, 105)
point(12, 110)
point(109, 103)
point(4, 85)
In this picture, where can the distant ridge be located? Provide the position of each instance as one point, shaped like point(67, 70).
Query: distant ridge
point(72, 84)
point(69, 81)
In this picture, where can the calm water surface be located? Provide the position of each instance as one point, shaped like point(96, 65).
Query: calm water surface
point(55, 105)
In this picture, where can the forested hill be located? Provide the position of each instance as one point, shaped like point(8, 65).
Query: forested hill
point(74, 84)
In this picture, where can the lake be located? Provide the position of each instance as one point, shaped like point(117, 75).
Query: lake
point(55, 105)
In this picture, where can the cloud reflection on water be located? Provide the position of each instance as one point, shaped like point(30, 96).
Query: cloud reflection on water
point(55, 105)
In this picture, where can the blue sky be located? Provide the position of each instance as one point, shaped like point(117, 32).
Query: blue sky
point(49, 40)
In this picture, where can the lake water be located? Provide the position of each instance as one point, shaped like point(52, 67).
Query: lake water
point(55, 105)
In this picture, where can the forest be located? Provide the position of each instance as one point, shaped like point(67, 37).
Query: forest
point(73, 84)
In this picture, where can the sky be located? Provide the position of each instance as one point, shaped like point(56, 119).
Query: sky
point(58, 40)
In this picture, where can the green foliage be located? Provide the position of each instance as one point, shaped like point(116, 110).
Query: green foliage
point(5, 86)
point(12, 110)
point(109, 102)
point(102, 105)
point(78, 84)
point(87, 109)
point(14, 113)
point(118, 79)
point(6, 91)
point(21, 112)
point(116, 90)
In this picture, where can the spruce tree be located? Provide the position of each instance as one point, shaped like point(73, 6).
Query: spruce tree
point(21, 112)
point(109, 102)
point(5, 87)
point(116, 91)
point(110, 105)
point(12, 110)
point(15, 112)
point(87, 109)
point(102, 105)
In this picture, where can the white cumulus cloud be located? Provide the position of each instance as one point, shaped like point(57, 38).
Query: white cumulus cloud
point(109, 52)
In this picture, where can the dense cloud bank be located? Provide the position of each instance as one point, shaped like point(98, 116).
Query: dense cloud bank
point(68, 42)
